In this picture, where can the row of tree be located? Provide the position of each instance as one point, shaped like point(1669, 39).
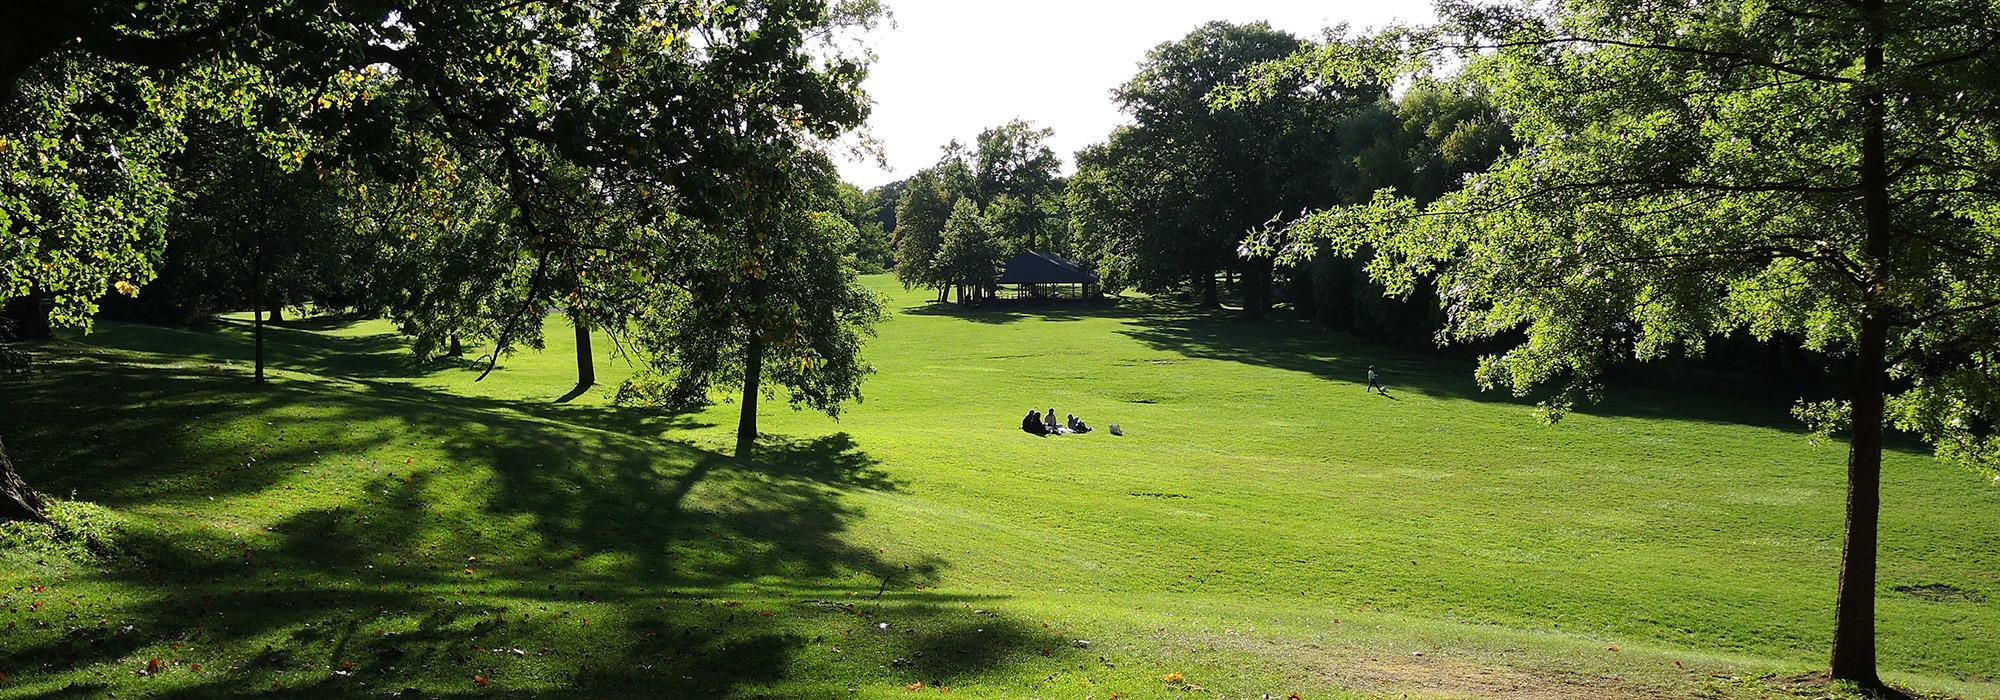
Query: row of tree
point(653, 170)
point(956, 221)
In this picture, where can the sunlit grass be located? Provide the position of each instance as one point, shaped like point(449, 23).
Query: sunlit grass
point(367, 523)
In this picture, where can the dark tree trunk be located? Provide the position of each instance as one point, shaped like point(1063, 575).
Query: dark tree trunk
point(277, 313)
point(1854, 613)
point(1210, 296)
point(753, 371)
point(1257, 288)
point(456, 348)
point(30, 317)
point(586, 367)
point(17, 501)
point(257, 317)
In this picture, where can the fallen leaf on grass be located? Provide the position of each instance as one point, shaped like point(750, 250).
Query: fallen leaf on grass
point(479, 680)
point(914, 687)
point(1174, 677)
point(152, 668)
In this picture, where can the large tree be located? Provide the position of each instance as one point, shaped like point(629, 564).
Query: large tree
point(682, 99)
point(1826, 175)
point(970, 255)
point(1013, 160)
point(1200, 177)
point(773, 305)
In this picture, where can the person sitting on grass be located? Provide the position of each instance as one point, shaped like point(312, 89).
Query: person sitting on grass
point(1076, 425)
point(1050, 421)
point(1032, 424)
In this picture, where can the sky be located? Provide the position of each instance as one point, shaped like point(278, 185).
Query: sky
point(949, 68)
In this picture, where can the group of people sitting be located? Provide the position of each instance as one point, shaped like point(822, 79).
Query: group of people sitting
point(1040, 424)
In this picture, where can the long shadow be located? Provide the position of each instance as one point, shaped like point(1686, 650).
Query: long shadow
point(563, 507)
point(1299, 345)
point(1005, 312)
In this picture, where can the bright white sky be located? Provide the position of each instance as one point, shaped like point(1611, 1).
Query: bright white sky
point(950, 68)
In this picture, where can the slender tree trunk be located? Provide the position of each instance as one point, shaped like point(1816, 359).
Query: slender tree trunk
point(257, 292)
point(17, 501)
point(257, 316)
point(586, 368)
point(456, 348)
point(753, 371)
point(1210, 296)
point(1854, 613)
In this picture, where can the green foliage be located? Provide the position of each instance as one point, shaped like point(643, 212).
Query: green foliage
point(774, 305)
point(77, 532)
point(920, 219)
point(970, 255)
point(1639, 220)
point(1166, 201)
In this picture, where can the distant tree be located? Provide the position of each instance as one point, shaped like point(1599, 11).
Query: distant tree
point(1014, 161)
point(872, 249)
point(1686, 171)
point(1199, 177)
point(247, 234)
point(920, 220)
point(970, 255)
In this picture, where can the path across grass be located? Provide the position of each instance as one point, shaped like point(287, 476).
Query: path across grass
point(367, 524)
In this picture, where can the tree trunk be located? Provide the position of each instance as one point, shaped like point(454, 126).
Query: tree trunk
point(1210, 296)
point(17, 501)
point(30, 317)
point(456, 348)
point(277, 313)
point(1257, 288)
point(586, 368)
point(1854, 613)
point(257, 317)
point(753, 371)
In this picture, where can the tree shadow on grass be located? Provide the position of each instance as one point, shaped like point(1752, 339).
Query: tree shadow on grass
point(1300, 345)
point(1012, 311)
point(414, 570)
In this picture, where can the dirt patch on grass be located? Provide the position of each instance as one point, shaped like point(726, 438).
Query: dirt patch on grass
point(1434, 676)
point(1941, 593)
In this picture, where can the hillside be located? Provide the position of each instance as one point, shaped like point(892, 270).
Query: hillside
point(368, 524)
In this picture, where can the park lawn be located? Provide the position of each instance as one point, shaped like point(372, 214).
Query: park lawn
point(368, 524)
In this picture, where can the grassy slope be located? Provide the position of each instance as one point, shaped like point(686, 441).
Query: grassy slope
point(1266, 526)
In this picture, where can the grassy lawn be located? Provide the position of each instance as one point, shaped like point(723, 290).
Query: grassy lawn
point(367, 524)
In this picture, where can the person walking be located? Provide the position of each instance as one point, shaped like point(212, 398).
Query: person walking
point(1375, 382)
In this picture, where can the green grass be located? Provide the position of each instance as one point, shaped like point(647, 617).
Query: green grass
point(367, 524)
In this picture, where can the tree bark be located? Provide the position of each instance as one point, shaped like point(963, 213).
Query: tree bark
point(277, 313)
point(586, 367)
point(753, 371)
point(456, 347)
point(1854, 612)
point(1210, 296)
point(17, 501)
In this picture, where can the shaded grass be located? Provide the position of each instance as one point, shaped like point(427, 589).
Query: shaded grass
point(1266, 525)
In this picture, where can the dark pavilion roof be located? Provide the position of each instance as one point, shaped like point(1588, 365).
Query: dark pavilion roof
point(1031, 267)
